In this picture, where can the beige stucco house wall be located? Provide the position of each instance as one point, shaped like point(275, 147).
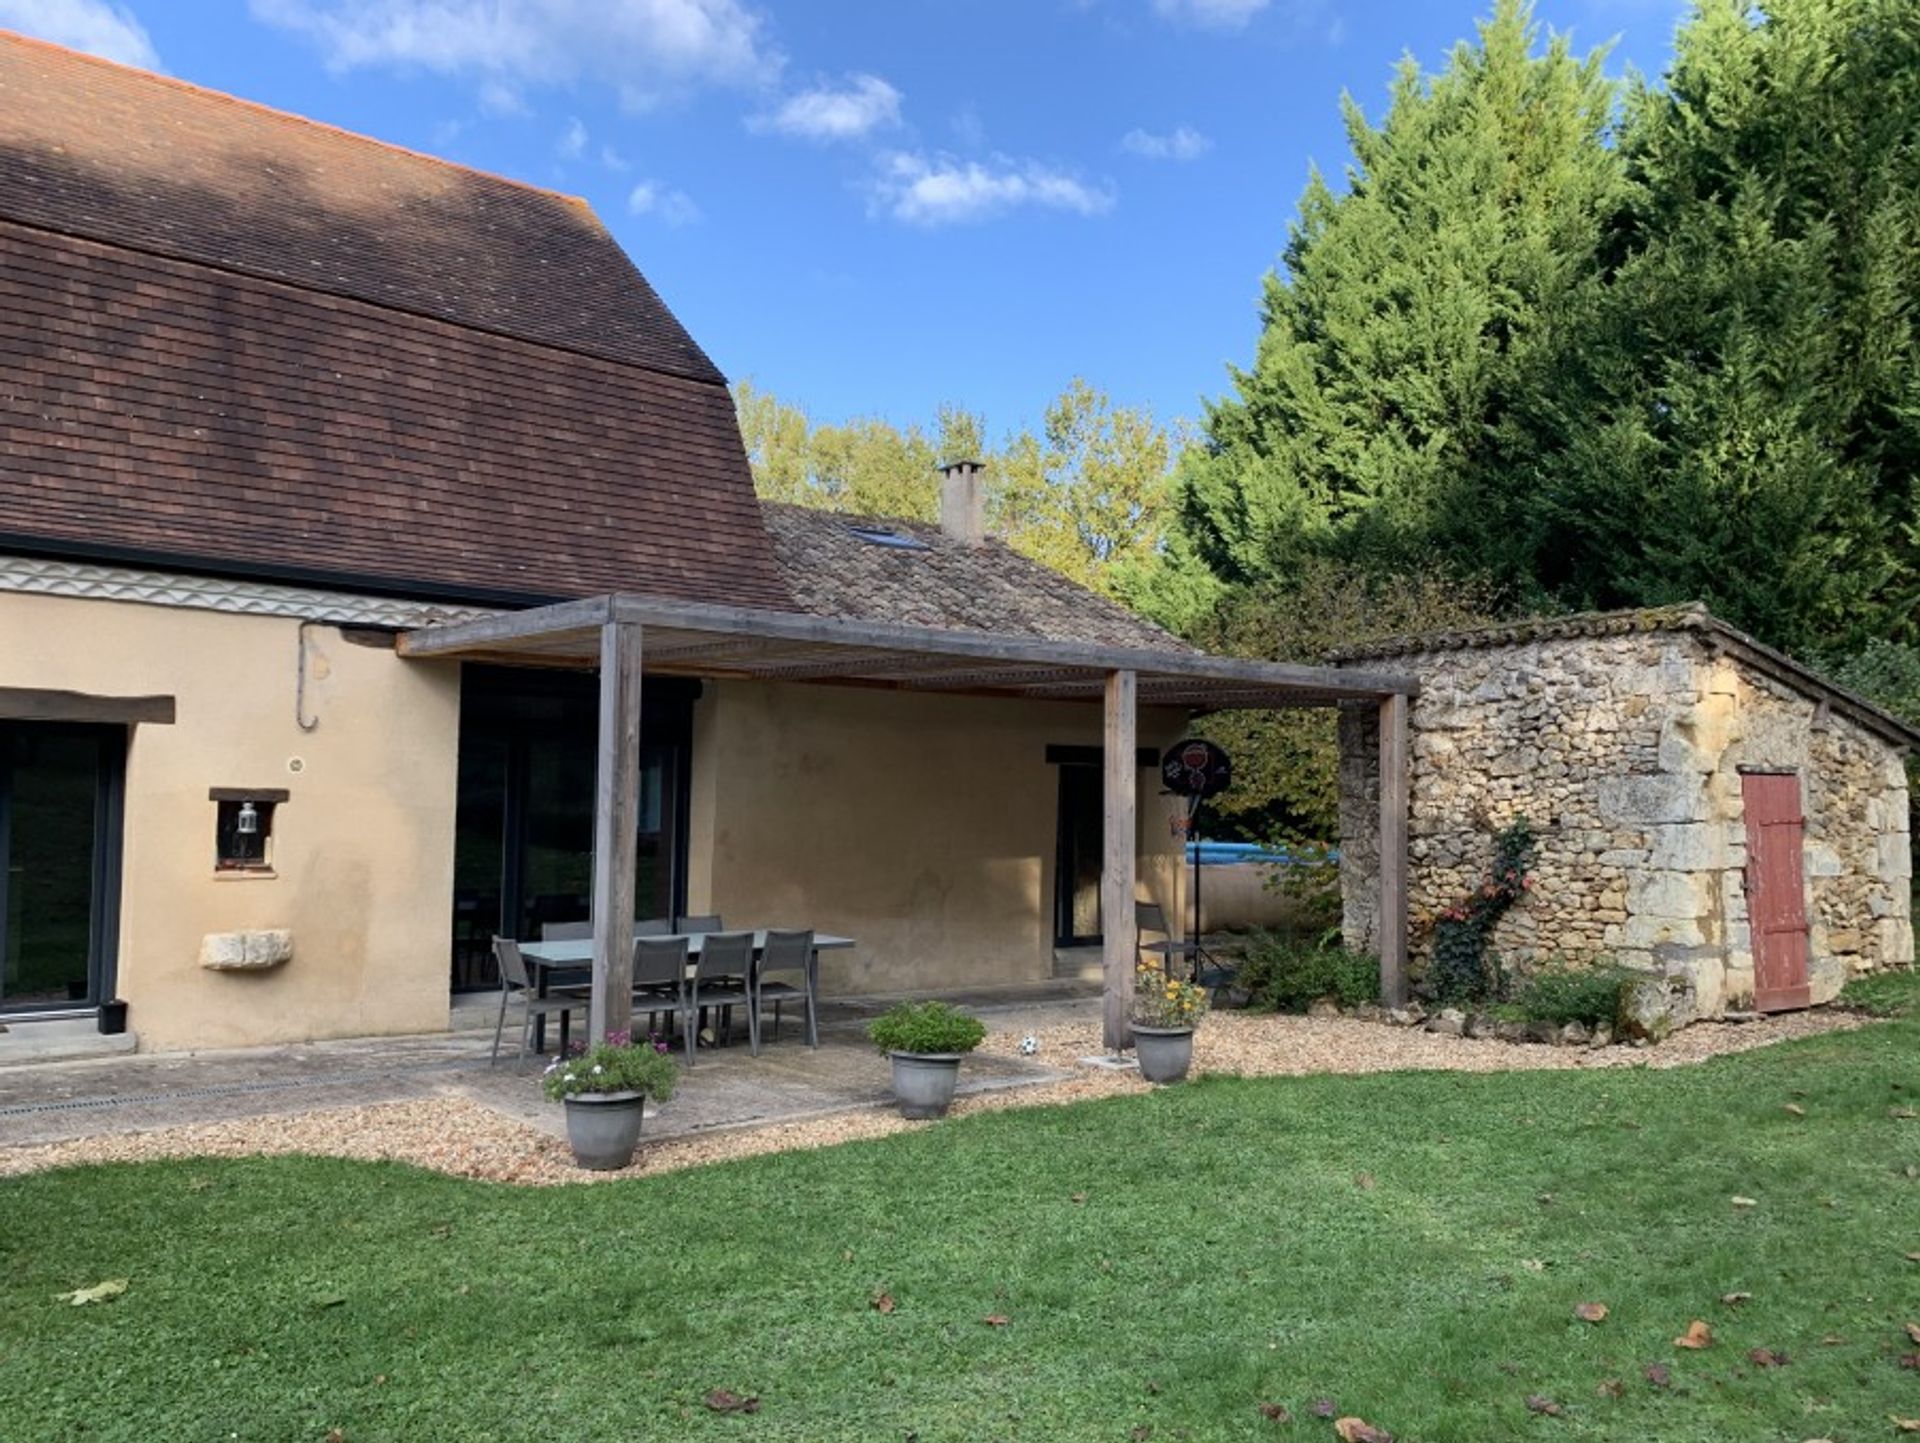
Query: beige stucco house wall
point(1623, 740)
point(922, 825)
point(362, 849)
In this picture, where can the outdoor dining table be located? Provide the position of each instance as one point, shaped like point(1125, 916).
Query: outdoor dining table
point(570, 954)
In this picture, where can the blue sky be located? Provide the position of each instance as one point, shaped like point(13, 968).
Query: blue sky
point(872, 208)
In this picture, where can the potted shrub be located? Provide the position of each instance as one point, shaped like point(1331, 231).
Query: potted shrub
point(925, 1042)
point(605, 1089)
point(1165, 1013)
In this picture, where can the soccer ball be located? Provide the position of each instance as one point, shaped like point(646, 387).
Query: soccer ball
point(1029, 1045)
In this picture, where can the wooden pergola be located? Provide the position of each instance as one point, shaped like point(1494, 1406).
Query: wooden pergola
point(623, 635)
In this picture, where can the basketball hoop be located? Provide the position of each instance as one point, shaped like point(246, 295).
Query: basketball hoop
point(1195, 769)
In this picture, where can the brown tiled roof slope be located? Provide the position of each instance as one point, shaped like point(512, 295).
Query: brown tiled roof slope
point(162, 409)
point(1690, 617)
point(941, 582)
point(119, 155)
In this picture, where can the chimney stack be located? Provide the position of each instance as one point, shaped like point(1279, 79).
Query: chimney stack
point(963, 502)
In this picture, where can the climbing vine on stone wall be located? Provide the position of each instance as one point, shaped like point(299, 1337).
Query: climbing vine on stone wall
point(1465, 968)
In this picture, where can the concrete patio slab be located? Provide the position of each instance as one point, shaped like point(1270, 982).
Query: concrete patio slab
point(727, 1088)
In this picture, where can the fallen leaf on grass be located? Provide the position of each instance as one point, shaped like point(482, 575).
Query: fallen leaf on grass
point(1910, 1360)
point(1363, 1180)
point(1766, 1358)
point(1698, 1335)
point(1610, 1388)
point(725, 1400)
point(1275, 1413)
point(1541, 1403)
point(1904, 1425)
point(1794, 1108)
point(1141, 1433)
point(1832, 1340)
point(883, 1302)
point(996, 1320)
point(1359, 1430)
point(1590, 1312)
point(1913, 1331)
point(335, 1435)
point(1078, 1197)
point(1323, 1408)
point(98, 1293)
point(1533, 1265)
point(1660, 1375)
point(1745, 1202)
point(1733, 1300)
point(1901, 1113)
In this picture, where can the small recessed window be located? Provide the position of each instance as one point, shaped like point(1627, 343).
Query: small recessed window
point(881, 536)
point(243, 829)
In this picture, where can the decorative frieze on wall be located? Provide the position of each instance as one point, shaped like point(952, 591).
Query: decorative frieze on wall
point(247, 598)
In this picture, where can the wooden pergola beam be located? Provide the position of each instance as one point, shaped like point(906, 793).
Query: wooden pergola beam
point(1119, 862)
point(616, 830)
point(1392, 925)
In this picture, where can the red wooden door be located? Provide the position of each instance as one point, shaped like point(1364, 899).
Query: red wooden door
point(1776, 889)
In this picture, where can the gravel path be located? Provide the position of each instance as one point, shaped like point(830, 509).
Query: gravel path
point(465, 1138)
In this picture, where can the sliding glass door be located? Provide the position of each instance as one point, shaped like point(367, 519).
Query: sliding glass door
point(59, 849)
point(523, 848)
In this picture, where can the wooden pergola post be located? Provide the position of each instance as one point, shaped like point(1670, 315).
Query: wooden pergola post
point(616, 829)
point(1117, 870)
point(1393, 850)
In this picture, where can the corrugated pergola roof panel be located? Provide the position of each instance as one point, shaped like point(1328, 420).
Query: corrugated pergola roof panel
point(690, 639)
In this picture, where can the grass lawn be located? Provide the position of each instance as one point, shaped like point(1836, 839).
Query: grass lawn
point(1411, 1247)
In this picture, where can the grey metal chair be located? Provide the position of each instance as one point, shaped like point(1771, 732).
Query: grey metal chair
point(653, 927)
point(1148, 917)
point(659, 976)
point(701, 922)
point(515, 982)
point(567, 932)
point(722, 978)
point(788, 952)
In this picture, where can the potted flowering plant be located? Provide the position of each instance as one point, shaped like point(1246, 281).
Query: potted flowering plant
point(605, 1088)
point(1165, 1013)
point(925, 1042)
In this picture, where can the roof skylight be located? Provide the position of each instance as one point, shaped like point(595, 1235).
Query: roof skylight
point(881, 536)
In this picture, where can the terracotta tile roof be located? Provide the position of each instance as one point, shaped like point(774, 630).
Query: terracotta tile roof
point(191, 410)
point(937, 581)
point(119, 155)
point(159, 410)
point(1690, 617)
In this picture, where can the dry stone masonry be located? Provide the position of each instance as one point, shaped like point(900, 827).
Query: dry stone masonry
point(1623, 739)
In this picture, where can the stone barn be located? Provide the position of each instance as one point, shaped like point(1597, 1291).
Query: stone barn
point(1705, 807)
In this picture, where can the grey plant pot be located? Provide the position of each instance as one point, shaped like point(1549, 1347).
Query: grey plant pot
point(604, 1128)
point(923, 1082)
point(1165, 1053)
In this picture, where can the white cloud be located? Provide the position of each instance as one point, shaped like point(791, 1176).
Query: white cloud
point(573, 140)
point(612, 159)
point(643, 48)
point(1183, 142)
point(98, 27)
point(663, 203)
point(942, 190)
point(1210, 14)
point(865, 104)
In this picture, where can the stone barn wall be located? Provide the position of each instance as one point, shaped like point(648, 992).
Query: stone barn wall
point(1624, 750)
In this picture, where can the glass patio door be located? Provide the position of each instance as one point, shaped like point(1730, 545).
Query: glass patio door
point(58, 832)
point(523, 840)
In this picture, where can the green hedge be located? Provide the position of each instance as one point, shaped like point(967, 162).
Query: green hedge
point(1285, 975)
point(1561, 992)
